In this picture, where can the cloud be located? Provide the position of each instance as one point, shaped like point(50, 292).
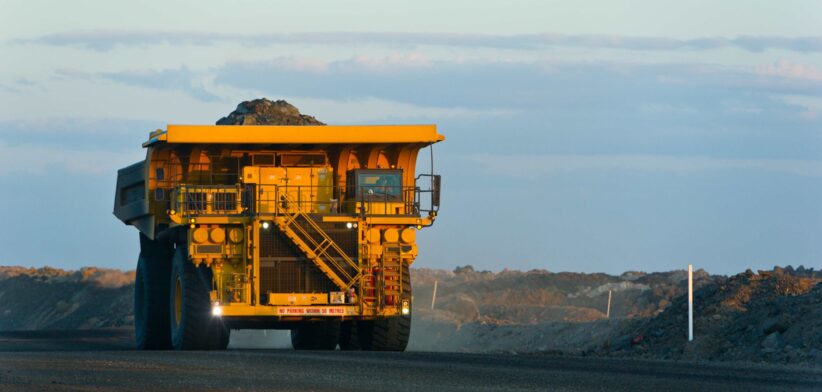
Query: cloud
point(8, 89)
point(106, 40)
point(812, 106)
point(690, 108)
point(787, 69)
point(25, 82)
point(39, 159)
point(542, 85)
point(42, 126)
point(370, 110)
point(541, 165)
point(179, 79)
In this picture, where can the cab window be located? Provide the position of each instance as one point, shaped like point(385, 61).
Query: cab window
point(377, 184)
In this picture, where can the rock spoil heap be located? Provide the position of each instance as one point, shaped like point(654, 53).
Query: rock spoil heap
point(51, 298)
point(266, 112)
point(770, 316)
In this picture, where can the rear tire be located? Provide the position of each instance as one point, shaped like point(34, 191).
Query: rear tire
point(385, 334)
point(151, 330)
point(319, 335)
point(191, 323)
point(388, 333)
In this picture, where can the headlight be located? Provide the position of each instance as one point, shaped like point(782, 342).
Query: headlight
point(266, 225)
point(406, 307)
point(216, 311)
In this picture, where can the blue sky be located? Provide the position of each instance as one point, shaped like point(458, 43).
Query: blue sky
point(581, 136)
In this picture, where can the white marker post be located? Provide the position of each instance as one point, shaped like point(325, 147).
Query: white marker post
point(608, 312)
point(690, 302)
point(434, 296)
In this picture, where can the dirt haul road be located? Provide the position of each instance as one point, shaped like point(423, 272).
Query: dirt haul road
point(103, 361)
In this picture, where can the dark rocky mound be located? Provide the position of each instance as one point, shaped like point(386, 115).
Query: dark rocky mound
point(266, 112)
point(772, 316)
point(539, 296)
point(51, 298)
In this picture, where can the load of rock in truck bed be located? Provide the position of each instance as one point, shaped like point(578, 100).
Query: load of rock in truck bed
point(266, 112)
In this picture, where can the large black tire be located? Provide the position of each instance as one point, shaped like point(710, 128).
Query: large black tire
point(318, 335)
point(192, 325)
point(388, 333)
point(349, 338)
point(151, 330)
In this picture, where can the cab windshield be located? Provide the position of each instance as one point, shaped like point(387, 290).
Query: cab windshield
point(382, 185)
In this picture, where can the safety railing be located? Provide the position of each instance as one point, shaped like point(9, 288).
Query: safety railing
point(370, 200)
point(431, 204)
point(386, 200)
point(269, 199)
point(207, 200)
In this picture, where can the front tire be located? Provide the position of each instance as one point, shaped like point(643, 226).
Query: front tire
point(192, 325)
point(151, 296)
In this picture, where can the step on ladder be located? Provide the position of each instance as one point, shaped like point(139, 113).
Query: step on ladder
point(323, 251)
point(391, 272)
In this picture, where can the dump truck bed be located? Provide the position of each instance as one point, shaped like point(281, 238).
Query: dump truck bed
point(317, 134)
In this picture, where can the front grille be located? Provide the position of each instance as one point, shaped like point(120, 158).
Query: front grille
point(292, 275)
point(285, 269)
point(345, 238)
point(273, 243)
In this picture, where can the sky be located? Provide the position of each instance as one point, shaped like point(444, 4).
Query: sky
point(582, 136)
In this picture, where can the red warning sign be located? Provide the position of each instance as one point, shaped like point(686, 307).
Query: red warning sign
point(311, 311)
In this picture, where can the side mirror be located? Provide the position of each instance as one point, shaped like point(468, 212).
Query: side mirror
point(436, 182)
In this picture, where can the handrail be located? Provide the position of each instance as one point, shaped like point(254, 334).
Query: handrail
point(239, 199)
point(320, 249)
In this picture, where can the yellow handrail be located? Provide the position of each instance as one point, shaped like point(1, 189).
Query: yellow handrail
point(317, 251)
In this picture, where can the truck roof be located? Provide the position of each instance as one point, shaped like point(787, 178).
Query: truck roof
point(295, 134)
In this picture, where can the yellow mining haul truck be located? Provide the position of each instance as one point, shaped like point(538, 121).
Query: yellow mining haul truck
point(307, 228)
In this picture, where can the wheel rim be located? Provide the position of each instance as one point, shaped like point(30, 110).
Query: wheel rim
point(178, 302)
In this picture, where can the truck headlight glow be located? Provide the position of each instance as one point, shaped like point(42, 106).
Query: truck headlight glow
point(266, 225)
point(406, 307)
point(216, 311)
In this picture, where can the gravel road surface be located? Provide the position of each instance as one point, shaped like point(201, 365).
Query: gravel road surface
point(104, 361)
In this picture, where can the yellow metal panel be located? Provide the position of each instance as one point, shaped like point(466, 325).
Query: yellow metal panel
point(298, 298)
point(251, 175)
point(288, 134)
point(391, 220)
point(269, 179)
point(339, 218)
